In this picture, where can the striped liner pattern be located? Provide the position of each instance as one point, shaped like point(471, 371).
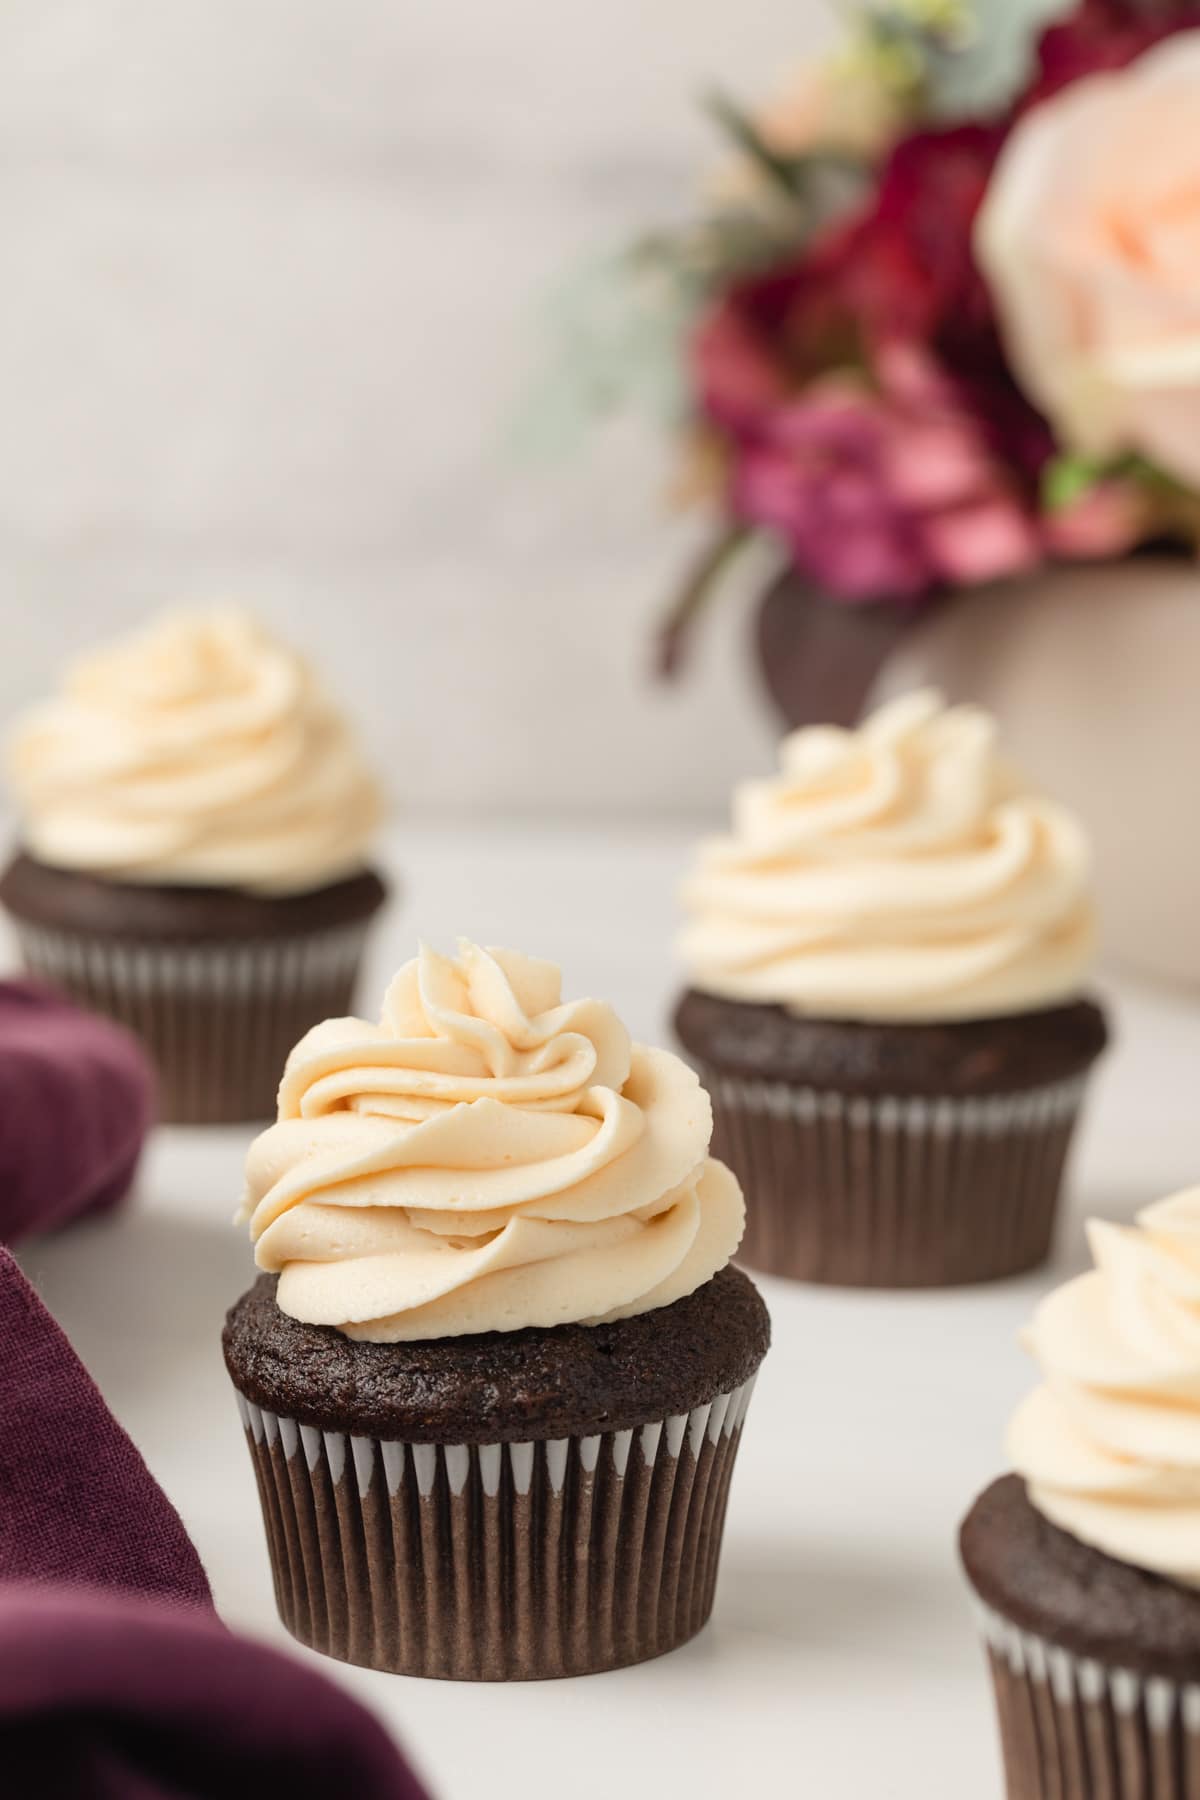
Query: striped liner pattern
point(218, 1018)
point(497, 1562)
point(894, 1192)
point(1073, 1729)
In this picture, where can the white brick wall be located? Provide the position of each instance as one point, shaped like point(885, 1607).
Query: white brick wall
point(270, 272)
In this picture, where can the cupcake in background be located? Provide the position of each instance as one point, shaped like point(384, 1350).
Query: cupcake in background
point(888, 960)
point(195, 825)
point(495, 1374)
point(1085, 1563)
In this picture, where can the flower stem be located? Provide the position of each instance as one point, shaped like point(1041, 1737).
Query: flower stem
point(710, 565)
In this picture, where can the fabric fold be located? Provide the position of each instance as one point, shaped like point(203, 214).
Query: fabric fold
point(117, 1680)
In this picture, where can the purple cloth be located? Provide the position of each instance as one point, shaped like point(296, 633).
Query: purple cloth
point(76, 1101)
point(117, 1680)
point(77, 1503)
point(108, 1697)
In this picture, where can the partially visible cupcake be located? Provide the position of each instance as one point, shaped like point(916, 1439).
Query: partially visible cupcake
point(888, 960)
point(195, 825)
point(1085, 1563)
point(494, 1377)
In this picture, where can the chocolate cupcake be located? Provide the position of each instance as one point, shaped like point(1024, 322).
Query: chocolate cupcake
point(195, 821)
point(888, 959)
point(1085, 1563)
point(495, 1375)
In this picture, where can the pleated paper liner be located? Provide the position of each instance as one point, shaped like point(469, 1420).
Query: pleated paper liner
point(218, 1018)
point(497, 1562)
point(894, 1193)
point(1074, 1729)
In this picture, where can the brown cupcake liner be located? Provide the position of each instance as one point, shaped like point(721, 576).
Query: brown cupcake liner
point(890, 1192)
point(1075, 1729)
point(497, 1562)
point(218, 1018)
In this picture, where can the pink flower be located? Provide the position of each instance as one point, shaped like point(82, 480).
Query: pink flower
point(884, 495)
point(862, 398)
point(1090, 236)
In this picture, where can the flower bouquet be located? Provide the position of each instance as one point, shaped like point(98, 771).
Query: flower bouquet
point(939, 324)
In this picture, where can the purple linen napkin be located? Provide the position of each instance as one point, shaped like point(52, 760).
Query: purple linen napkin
point(112, 1697)
point(77, 1503)
point(76, 1101)
point(117, 1680)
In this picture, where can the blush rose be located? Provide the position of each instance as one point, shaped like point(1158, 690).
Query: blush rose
point(1089, 237)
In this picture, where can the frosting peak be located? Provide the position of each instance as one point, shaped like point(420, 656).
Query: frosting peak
point(487, 1157)
point(198, 751)
point(899, 871)
point(1110, 1443)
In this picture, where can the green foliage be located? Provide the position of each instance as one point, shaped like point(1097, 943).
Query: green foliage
point(614, 336)
point(948, 60)
point(982, 71)
point(1067, 478)
point(814, 186)
point(613, 339)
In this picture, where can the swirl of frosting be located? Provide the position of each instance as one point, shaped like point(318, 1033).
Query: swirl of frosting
point(896, 872)
point(487, 1157)
point(197, 752)
point(1109, 1445)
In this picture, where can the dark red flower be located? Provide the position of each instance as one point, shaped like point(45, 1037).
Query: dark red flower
point(769, 337)
point(904, 271)
point(894, 301)
point(912, 265)
point(1105, 34)
point(914, 278)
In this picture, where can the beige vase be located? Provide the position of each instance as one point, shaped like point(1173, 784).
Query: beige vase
point(1094, 675)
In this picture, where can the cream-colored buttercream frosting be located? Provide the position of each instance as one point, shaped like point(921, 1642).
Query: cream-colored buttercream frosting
point(487, 1157)
point(897, 872)
point(1109, 1445)
point(199, 751)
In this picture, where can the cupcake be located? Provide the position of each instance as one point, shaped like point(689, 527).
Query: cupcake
point(494, 1374)
point(887, 961)
point(1085, 1563)
point(195, 821)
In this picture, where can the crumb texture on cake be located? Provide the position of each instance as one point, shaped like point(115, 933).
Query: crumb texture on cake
point(1048, 1583)
point(500, 1387)
point(71, 900)
point(958, 1059)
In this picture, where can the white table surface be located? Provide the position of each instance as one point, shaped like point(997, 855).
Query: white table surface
point(841, 1661)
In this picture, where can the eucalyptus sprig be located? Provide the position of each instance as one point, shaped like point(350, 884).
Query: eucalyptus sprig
point(952, 59)
point(803, 180)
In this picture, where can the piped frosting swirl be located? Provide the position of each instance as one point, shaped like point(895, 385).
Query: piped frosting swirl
point(897, 872)
point(485, 1158)
point(1109, 1444)
point(198, 752)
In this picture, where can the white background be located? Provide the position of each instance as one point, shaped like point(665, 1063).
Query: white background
point(273, 272)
